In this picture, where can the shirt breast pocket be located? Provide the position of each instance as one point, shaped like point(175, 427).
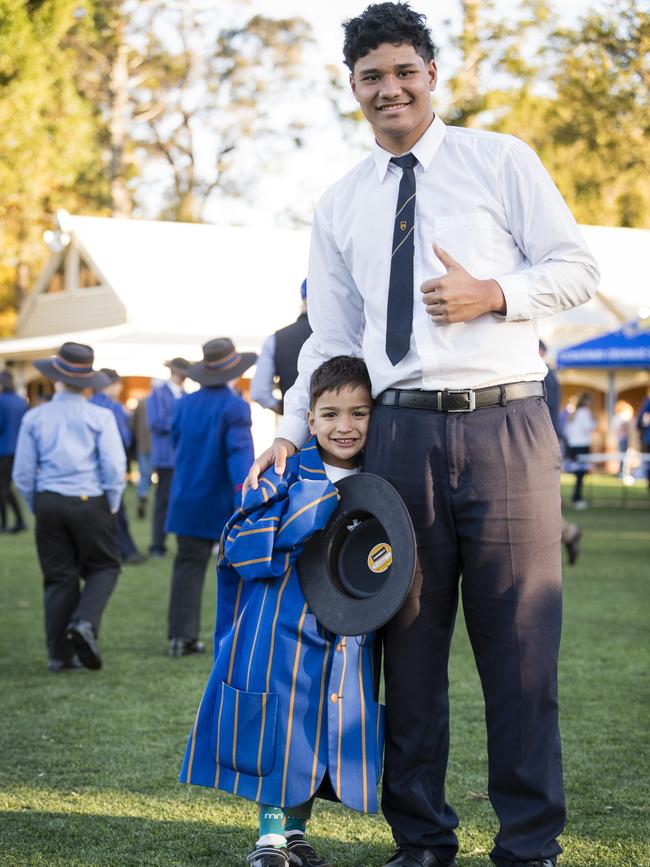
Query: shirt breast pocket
point(469, 239)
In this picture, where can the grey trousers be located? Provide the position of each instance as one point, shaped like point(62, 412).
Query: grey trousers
point(483, 492)
point(188, 578)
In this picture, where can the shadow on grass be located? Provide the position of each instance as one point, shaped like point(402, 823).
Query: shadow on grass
point(58, 839)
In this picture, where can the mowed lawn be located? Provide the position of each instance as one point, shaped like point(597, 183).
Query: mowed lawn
point(89, 761)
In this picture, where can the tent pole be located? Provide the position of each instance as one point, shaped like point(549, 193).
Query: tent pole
point(611, 398)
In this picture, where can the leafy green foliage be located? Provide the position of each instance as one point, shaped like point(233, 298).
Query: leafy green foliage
point(579, 95)
point(49, 155)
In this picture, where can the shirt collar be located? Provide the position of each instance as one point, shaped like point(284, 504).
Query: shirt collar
point(67, 395)
point(423, 150)
point(175, 388)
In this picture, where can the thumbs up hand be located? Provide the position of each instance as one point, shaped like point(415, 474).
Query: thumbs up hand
point(458, 296)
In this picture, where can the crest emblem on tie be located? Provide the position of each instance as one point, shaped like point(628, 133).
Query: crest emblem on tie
point(402, 225)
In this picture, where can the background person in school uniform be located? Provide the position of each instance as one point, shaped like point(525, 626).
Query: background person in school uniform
point(211, 435)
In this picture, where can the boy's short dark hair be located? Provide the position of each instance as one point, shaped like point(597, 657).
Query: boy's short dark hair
point(337, 373)
point(395, 23)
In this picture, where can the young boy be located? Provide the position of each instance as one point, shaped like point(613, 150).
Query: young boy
point(289, 711)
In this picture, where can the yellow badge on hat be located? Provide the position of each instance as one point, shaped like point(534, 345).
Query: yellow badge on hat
point(380, 557)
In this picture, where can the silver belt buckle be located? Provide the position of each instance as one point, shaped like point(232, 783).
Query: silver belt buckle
point(471, 396)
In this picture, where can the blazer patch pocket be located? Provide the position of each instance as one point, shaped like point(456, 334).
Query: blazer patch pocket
point(244, 730)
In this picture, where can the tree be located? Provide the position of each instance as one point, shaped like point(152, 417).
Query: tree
point(49, 156)
point(219, 108)
point(579, 95)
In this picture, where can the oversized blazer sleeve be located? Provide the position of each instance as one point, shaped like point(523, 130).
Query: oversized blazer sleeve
point(274, 523)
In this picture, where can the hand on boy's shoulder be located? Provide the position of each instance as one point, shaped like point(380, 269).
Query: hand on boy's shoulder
point(277, 454)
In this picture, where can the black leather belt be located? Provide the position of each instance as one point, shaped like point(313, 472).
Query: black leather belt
point(460, 399)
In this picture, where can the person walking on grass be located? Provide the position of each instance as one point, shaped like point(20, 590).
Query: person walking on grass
point(211, 437)
point(432, 259)
point(160, 411)
point(70, 468)
point(108, 397)
point(12, 409)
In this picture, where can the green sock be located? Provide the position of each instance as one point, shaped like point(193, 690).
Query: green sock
point(271, 826)
point(295, 826)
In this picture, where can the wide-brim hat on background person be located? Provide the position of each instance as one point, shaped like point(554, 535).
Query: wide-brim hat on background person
point(73, 365)
point(112, 375)
point(357, 571)
point(178, 365)
point(221, 363)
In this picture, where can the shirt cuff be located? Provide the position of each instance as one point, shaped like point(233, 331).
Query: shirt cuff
point(114, 498)
point(515, 291)
point(293, 429)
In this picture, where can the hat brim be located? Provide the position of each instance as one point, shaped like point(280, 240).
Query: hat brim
point(93, 379)
point(337, 610)
point(205, 375)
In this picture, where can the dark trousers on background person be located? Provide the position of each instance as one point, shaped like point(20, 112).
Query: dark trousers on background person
point(124, 538)
point(191, 561)
point(7, 495)
point(75, 539)
point(482, 489)
point(574, 454)
point(163, 489)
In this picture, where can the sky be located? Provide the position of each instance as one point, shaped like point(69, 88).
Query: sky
point(323, 146)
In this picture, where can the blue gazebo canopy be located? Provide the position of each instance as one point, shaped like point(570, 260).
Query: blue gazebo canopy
point(627, 347)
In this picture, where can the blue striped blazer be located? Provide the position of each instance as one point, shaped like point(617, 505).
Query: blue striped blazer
point(287, 701)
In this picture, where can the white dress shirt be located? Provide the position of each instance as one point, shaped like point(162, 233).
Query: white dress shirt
point(488, 201)
point(263, 383)
point(580, 427)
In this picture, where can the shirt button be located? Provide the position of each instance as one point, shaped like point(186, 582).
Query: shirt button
point(334, 697)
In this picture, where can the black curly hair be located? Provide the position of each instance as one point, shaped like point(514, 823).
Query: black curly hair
point(395, 23)
point(336, 373)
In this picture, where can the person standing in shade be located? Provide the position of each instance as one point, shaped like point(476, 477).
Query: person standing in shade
point(12, 409)
point(432, 259)
point(571, 533)
point(108, 397)
point(277, 365)
point(160, 411)
point(211, 433)
point(70, 468)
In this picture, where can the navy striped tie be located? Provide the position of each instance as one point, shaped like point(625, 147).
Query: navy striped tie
point(399, 315)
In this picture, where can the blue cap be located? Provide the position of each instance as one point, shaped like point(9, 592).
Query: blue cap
point(303, 289)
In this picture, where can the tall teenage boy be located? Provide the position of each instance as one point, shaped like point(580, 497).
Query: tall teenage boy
point(433, 259)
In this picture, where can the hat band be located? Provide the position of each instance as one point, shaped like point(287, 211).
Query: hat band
point(227, 363)
point(71, 369)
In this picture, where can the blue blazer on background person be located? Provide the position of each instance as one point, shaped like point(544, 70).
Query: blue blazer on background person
point(161, 405)
point(211, 435)
point(12, 409)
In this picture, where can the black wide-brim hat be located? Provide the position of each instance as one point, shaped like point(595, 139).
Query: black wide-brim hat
point(178, 365)
point(73, 365)
point(357, 571)
point(221, 363)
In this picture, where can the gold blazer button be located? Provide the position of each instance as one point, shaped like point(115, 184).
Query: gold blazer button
point(334, 697)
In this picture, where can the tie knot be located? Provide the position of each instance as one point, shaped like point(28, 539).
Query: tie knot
point(408, 161)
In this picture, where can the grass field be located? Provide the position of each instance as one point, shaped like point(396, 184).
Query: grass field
point(89, 760)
